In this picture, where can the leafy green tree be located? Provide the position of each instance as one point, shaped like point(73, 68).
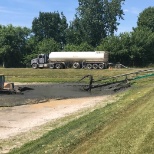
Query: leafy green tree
point(71, 47)
point(34, 48)
point(31, 51)
point(12, 45)
point(82, 47)
point(142, 48)
point(85, 47)
point(112, 45)
point(47, 45)
point(50, 25)
point(146, 19)
point(135, 48)
point(118, 47)
point(143, 38)
point(74, 33)
point(131, 49)
point(125, 48)
point(97, 19)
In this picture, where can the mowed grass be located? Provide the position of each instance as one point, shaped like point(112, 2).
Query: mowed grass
point(56, 75)
point(123, 127)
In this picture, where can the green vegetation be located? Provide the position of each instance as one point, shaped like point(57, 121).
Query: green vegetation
point(93, 28)
point(125, 126)
point(94, 21)
point(55, 75)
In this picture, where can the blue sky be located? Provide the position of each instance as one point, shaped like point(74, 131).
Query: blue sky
point(22, 12)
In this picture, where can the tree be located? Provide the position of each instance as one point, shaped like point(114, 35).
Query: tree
point(125, 48)
point(98, 19)
point(50, 25)
point(82, 47)
point(118, 47)
point(85, 47)
point(146, 19)
point(34, 48)
point(47, 45)
point(131, 49)
point(31, 50)
point(12, 45)
point(74, 33)
point(135, 48)
point(142, 48)
point(143, 38)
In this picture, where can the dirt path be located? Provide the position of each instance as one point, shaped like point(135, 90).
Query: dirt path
point(14, 120)
point(19, 119)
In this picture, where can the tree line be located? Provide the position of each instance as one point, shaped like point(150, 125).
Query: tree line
point(93, 28)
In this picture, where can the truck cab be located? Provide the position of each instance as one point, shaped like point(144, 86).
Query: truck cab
point(40, 62)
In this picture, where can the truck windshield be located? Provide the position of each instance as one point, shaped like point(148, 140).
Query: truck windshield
point(41, 56)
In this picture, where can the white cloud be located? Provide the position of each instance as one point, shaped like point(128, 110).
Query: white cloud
point(133, 10)
point(31, 3)
point(6, 10)
point(122, 29)
point(15, 12)
point(126, 10)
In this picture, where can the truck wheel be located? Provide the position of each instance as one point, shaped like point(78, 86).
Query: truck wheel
point(58, 66)
point(52, 66)
point(89, 66)
point(34, 66)
point(95, 66)
point(76, 65)
point(101, 66)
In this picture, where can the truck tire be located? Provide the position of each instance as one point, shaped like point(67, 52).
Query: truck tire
point(76, 65)
point(101, 66)
point(89, 66)
point(95, 66)
point(52, 66)
point(58, 66)
point(34, 66)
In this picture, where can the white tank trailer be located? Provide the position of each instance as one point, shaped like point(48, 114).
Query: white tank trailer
point(59, 60)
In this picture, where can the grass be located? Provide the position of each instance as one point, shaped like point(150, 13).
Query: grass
point(54, 75)
point(123, 127)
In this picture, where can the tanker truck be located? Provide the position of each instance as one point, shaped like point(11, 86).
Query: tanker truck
point(59, 60)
